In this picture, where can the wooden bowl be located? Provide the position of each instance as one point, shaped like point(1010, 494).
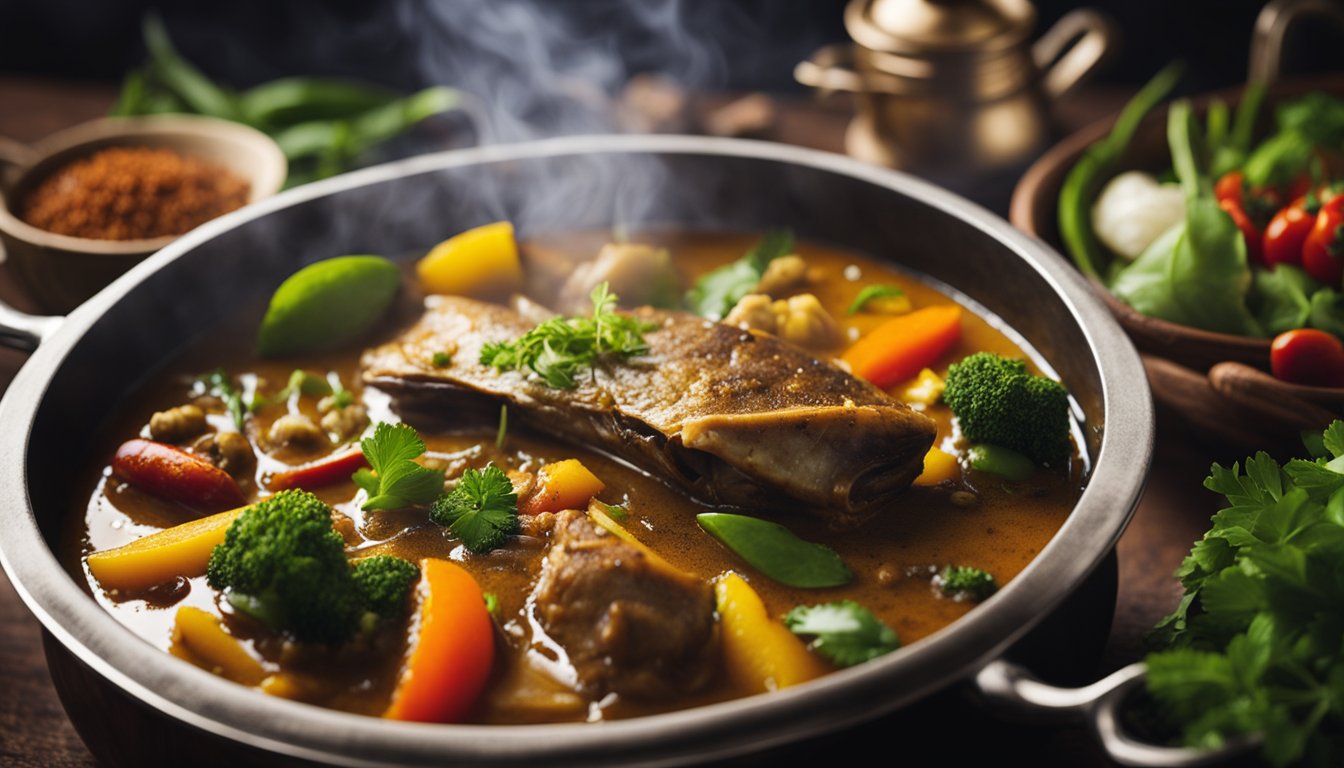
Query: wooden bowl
point(59, 271)
point(1237, 405)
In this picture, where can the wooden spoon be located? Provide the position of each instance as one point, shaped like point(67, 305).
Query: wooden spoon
point(1301, 406)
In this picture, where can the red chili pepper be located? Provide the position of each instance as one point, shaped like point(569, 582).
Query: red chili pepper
point(1308, 356)
point(1323, 249)
point(176, 475)
point(316, 474)
point(1229, 187)
point(1288, 230)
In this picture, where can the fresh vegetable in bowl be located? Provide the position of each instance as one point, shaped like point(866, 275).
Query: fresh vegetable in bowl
point(1239, 237)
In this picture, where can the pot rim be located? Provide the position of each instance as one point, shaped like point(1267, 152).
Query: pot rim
point(193, 696)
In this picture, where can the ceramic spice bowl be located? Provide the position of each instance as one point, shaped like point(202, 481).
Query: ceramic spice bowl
point(59, 271)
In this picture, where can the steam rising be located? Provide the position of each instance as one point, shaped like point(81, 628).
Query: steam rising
point(537, 69)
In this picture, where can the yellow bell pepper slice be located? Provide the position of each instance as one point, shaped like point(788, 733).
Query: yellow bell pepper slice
point(481, 262)
point(200, 638)
point(183, 550)
point(939, 466)
point(759, 652)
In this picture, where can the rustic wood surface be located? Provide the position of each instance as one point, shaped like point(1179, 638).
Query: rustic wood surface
point(1174, 511)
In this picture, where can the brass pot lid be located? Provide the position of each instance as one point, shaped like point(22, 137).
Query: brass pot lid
point(933, 27)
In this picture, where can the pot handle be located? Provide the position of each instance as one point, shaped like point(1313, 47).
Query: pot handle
point(831, 69)
point(24, 332)
point(14, 157)
point(1271, 28)
point(1092, 35)
point(1009, 685)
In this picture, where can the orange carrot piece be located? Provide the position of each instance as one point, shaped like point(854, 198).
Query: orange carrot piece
point(563, 485)
point(317, 474)
point(452, 651)
point(899, 348)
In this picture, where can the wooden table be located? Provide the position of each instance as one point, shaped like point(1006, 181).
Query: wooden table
point(1174, 511)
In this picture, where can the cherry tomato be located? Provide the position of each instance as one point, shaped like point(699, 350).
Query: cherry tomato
point(1323, 249)
point(1308, 356)
point(1288, 230)
point(1249, 207)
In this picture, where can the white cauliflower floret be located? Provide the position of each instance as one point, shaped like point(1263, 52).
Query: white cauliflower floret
point(1133, 210)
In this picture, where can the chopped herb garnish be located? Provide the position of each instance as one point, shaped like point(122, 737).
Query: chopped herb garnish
point(503, 427)
point(396, 480)
point(714, 295)
point(442, 359)
point(614, 511)
point(340, 396)
point(481, 510)
point(845, 633)
point(888, 299)
point(300, 381)
point(1254, 645)
point(961, 582)
point(218, 384)
point(559, 348)
point(491, 603)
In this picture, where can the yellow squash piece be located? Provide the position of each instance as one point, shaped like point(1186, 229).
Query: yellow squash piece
point(481, 263)
point(927, 388)
point(563, 485)
point(759, 652)
point(183, 550)
point(200, 637)
point(939, 465)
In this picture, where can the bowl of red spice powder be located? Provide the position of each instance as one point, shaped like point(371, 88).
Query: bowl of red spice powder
point(93, 200)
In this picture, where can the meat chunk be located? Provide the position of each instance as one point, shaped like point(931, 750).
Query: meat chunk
point(631, 623)
point(736, 418)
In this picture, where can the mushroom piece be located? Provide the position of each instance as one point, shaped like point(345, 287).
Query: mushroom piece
point(635, 272)
point(800, 319)
point(177, 425)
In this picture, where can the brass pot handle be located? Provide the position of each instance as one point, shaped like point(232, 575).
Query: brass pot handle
point(1092, 35)
point(1271, 28)
point(831, 69)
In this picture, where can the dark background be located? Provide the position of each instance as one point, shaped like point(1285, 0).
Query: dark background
point(750, 44)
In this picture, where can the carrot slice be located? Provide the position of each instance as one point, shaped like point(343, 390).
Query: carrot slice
point(452, 651)
point(316, 474)
point(899, 348)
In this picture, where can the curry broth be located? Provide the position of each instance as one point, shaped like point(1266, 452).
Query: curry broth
point(893, 556)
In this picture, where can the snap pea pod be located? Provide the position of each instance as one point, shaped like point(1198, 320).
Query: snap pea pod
point(1095, 165)
point(347, 138)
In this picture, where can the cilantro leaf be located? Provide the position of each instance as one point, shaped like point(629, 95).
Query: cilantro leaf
point(875, 292)
point(963, 582)
point(396, 481)
point(218, 384)
point(845, 633)
point(481, 510)
point(1253, 649)
point(716, 293)
point(557, 349)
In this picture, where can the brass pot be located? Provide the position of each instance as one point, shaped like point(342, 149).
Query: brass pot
point(953, 89)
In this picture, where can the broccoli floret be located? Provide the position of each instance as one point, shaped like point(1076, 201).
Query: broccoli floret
point(384, 582)
point(996, 400)
point(283, 563)
point(964, 580)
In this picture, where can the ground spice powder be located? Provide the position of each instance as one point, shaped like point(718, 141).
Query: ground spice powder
point(129, 193)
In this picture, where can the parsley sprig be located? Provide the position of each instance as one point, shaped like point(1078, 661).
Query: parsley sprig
point(1255, 646)
point(396, 481)
point(846, 633)
point(559, 348)
point(481, 510)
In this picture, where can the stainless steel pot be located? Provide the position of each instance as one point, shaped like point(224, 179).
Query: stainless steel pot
point(113, 683)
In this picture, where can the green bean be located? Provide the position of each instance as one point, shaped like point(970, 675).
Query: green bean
point(1004, 462)
point(294, 100)
point(1096, 164)
point(184, 80)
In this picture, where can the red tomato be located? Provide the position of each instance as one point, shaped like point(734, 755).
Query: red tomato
point(1323, 249)
point(1286, 233)
point(1229, 187)
point(1240, 203)
point(1308, 356)
point(1252, 235)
